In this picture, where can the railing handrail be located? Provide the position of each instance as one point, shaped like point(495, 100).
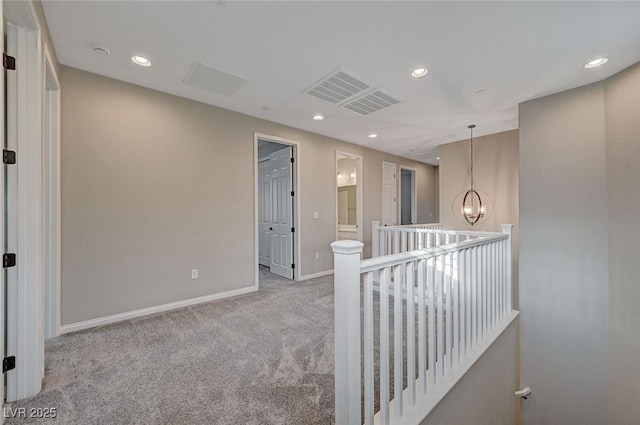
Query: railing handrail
point(462, 297)
point(376, 263)
point(411, 225)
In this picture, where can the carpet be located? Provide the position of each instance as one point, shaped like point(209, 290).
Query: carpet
point(260, 358)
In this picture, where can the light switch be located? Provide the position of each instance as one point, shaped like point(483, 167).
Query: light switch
point(316, 215)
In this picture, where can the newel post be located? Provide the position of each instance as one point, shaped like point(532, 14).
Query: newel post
point(508, 229)
point(375, 239)
point(346, 282)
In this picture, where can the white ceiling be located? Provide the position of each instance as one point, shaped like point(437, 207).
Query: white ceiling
point(515, 51)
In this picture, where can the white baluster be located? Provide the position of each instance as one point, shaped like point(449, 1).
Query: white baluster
point(398, 274)
point(422, 340)
point(368, 349)
point(347, 331)
point(431, 313)
point(375, 238)
point(411, 335)
point(384, 346)
point(440, 317)
point(508, 228)
point(396, 242)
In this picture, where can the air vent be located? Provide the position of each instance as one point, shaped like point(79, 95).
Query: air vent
point(213, 80)
point(370, 102)
point(337, 87)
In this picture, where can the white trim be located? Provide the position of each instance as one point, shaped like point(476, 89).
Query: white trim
point(382, 192)
point(316, 275)
point(2, 218)
point(51, 198)
point(414, 194)
point(296, 216)
point(359, 192)
point(100, 321)
point(25, 317)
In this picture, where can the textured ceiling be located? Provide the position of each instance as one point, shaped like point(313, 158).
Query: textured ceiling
point(483, 57)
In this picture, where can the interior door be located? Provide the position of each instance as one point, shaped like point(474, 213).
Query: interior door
point(281, 260)
point(264, 213)
point(389, 198)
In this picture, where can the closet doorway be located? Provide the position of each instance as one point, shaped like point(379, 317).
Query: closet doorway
point(276, 206)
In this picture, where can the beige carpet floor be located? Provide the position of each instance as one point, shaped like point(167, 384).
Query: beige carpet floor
point(261, 358)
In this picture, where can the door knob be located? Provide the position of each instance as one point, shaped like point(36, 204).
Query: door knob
point(270, 228)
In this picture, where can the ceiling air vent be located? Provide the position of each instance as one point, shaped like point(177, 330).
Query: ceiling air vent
point(213, 80)
point(370, 102)
point(337, 87)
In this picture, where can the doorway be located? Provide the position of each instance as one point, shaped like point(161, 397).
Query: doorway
point(277, 204)
point(348, 196)
point(408, 194)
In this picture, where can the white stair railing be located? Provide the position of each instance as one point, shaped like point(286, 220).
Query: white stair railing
point(447, 302)
point(387, 240)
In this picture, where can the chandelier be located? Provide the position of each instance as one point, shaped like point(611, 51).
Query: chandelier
point(472, 208)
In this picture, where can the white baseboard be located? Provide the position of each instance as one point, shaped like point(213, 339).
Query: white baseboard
point(315, 275)
point(73, 327)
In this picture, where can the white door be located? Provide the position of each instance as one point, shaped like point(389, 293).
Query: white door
point(281, 260)
point(389, 187)
point(264, 213)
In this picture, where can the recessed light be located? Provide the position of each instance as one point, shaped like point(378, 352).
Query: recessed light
point(102, 50)
point(318, 117)
point(438, 158)
point(373, 136)
point(419, 72)
point(596, 63)
point(141, 60)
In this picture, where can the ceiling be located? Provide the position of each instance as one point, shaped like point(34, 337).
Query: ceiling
point(483, 57)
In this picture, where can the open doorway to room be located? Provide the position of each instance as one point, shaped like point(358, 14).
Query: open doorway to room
point(276, 208)
point(408, 194)
point(348, 196)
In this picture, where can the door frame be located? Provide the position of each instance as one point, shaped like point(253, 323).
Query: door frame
point(359, 191)
point(51, 192)
point(396, 188)
point(296, 203)
point(414, 194)
point(25, 297)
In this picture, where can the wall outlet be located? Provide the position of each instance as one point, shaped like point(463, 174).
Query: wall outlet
point(194, 273)
point(316, 215)
point(317, 255)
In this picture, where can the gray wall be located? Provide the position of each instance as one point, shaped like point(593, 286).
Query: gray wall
point(622, 111)
point(484, 396)
point(579, 154)
point(154, 185)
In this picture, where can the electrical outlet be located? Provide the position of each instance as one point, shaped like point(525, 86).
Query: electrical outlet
point(317, 255)
point(316, 215)
point(194, 273)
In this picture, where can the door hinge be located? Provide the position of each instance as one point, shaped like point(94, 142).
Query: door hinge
point(293, 230)
point(8, 363)
point(292, 193)
point(292, 160)
point(8, 260)
point(8, 157)
point(9, 62)
point(293, 266)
